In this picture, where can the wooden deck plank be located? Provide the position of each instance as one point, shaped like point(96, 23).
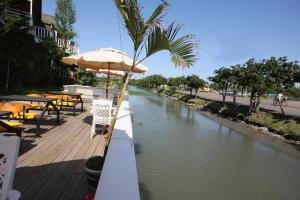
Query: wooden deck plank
point(100, 148)
point(48, 137)
point(50, 169)
point(45, 144)
point(59, 177)
point(79, 172)
point(53, 168)
point(42, 167)
point(82, 188)
point(45, 156)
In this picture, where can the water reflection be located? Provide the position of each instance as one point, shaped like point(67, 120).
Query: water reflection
point(155, 100)
point(182, 154)
point(179, 110)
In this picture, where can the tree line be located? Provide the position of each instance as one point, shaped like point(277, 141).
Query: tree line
point(190, 83)
point(258, 78)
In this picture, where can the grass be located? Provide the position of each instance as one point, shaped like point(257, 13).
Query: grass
point(136, 93)
point(286, 126)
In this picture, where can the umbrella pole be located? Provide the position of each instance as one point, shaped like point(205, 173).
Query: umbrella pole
point(107, 80)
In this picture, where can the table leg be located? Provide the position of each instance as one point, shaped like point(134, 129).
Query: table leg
point(81, 103)
point(56, 109)
point(74, 108)
point(38, 121)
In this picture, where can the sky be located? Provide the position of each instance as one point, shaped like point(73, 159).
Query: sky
point(229, 31)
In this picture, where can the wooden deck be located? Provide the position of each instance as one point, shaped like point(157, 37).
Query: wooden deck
point(51, 166)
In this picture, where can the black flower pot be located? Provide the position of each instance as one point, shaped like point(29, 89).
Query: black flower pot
point(93, 169)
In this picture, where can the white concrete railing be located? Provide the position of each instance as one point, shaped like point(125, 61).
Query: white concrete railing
point(119, 178)
point(88, 91)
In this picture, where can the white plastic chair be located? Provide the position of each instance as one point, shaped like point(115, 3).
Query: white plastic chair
point(102, 113)
point(9, 150)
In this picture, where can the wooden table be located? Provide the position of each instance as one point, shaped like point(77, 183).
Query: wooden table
point(8, 127)
point(48, 101)
point(72, 94)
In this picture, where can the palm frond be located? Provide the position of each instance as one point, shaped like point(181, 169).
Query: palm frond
point(157, 15)
point(135, 24)
point(157, 40)
point(153, 37)
point(181, 49)
point(133, 20)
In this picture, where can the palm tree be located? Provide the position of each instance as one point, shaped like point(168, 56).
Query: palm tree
point(148, 36)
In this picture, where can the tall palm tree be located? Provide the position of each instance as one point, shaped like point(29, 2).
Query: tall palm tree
point(149, 37)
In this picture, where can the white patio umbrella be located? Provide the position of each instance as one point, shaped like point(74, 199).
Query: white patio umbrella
point(111, 73)
point(104, 58)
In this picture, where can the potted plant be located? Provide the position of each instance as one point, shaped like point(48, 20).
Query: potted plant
point(93, 168)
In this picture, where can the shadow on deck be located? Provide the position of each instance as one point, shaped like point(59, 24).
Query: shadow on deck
point(51, 166)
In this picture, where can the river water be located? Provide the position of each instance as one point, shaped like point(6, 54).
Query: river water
point(183, 155)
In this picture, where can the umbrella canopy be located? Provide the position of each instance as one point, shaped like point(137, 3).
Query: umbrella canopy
point(104, 58)
point(111, 73)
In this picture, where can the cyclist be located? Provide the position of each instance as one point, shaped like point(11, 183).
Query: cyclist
point(280, 97)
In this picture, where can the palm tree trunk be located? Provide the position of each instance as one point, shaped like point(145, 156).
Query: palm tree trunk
point(120, 100)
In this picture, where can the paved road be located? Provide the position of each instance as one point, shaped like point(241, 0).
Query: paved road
point(293, 108)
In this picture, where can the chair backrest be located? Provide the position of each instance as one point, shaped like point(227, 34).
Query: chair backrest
point(102, 111)
point(9, 150)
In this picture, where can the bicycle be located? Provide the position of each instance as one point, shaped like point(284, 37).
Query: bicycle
point(283, 102)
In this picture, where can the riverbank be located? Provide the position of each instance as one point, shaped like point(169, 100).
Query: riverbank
point(281, 128)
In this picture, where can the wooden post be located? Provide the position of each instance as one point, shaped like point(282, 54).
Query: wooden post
point(107, 80)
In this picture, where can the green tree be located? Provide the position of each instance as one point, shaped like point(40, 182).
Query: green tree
point(172, 84)
point(7, 22)
point(53, 58)
point(13, 35)
point(157, 80)
point(283, 74)
point(274, 73)
point(221, 79)
point(293, 93)
point(259, 81)
point(236, 79)
point(65, 18)
point(85, 77)
point(152, 81)
point(194, 83)
point(180, 81)
point(149, 35)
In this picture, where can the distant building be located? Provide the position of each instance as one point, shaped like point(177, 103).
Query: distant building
point(43, 25)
